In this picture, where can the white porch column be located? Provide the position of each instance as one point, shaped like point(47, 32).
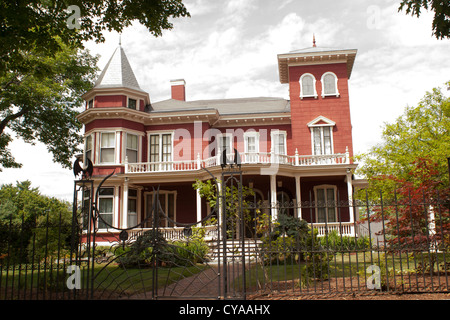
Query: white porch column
point(125, 205)
point(199, 207)
point(219, 203)
point(350, 196)
point(298, 196)
point(273, 196)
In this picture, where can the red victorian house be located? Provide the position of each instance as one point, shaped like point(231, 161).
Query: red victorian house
point(296, 150)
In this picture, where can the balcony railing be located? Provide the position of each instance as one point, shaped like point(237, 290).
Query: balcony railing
point(263, 158)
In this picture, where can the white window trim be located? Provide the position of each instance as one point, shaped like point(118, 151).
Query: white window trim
point(327, 123)
point(160, 133)
point(166, 193)
point(314, 95)
point(335, 94)
point(272, 140)
point(219, 137)
point(254, 134)
point(128, 206)
point(134, 98)
point(326, 186)
point(100, 147)
point(114, 198)
point(139, 146)
point(92, 136)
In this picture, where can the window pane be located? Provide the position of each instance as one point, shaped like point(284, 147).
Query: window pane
point(105, 205)
point(132, 141)
point(106, 222)
point(106, 192)
point(132, 156)
point(327, 140)
point(132, 104)
point(317, 141)
point(107, 155)
point(132, 193)
point(154, 148)
point(108, 140)
point(167, 147)
point(251, 144)
point(307, 86)
point(329, 84)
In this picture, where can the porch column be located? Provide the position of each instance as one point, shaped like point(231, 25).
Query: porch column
point(299, 197)
point(350, 196)
point(125, 205)
point(199, 207)
point(219, 202)
point(273, 196)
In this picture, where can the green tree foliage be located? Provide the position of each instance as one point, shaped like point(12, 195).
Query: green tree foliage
point(441, 9)
point(36, 24)
point(44, 68)
point(32, 224)
point(422, 132)
point(39, 101)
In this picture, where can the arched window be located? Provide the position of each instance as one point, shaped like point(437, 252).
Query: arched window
point(329, 85)
point(308, 86)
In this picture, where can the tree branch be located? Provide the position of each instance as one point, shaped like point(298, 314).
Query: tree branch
point(10, 118)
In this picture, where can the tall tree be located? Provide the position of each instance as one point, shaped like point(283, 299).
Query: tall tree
point(44, 69)
point(422, 132)
point(39, 100)
point(29, 25)
point(441, 8)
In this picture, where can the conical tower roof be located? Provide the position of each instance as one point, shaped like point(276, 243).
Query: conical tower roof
point(118, 73)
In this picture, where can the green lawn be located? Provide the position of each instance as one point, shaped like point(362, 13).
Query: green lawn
point(107, 279)
point(346, 265)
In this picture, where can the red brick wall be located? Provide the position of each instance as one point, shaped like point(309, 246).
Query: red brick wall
point(179, 92)
point(336, 109)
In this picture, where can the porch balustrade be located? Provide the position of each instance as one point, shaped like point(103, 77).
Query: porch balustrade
point(262, 158)
point(211, 232)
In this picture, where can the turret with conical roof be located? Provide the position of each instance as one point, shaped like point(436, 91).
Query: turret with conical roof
point(117, 86)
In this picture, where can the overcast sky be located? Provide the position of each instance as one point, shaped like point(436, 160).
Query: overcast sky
point(228, 49)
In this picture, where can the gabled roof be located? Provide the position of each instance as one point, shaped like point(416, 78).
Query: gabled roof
point(117, 73)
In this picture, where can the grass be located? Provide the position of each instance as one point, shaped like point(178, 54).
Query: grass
point(345, 265)
point(108, 279)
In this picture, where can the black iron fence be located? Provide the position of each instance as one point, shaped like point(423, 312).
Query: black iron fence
point(364, 246)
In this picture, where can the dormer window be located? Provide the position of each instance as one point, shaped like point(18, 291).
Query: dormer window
point(308, 86)
point(329, 85)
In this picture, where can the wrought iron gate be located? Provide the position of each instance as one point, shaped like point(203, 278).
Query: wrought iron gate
point(142, 264)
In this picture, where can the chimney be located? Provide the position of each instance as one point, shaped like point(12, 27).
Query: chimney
point(178, 89)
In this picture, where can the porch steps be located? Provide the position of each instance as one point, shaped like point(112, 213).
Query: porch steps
point(233, 249)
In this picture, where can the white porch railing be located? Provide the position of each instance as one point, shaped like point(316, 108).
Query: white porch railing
point(177, 233)
point(174, 233)
point(342, 228)
point(246, 158)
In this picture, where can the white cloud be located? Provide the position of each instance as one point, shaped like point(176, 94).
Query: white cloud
point(228, 50)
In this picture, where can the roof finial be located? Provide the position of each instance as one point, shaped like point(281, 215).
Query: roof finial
point(120, 39)
point(314, 40)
